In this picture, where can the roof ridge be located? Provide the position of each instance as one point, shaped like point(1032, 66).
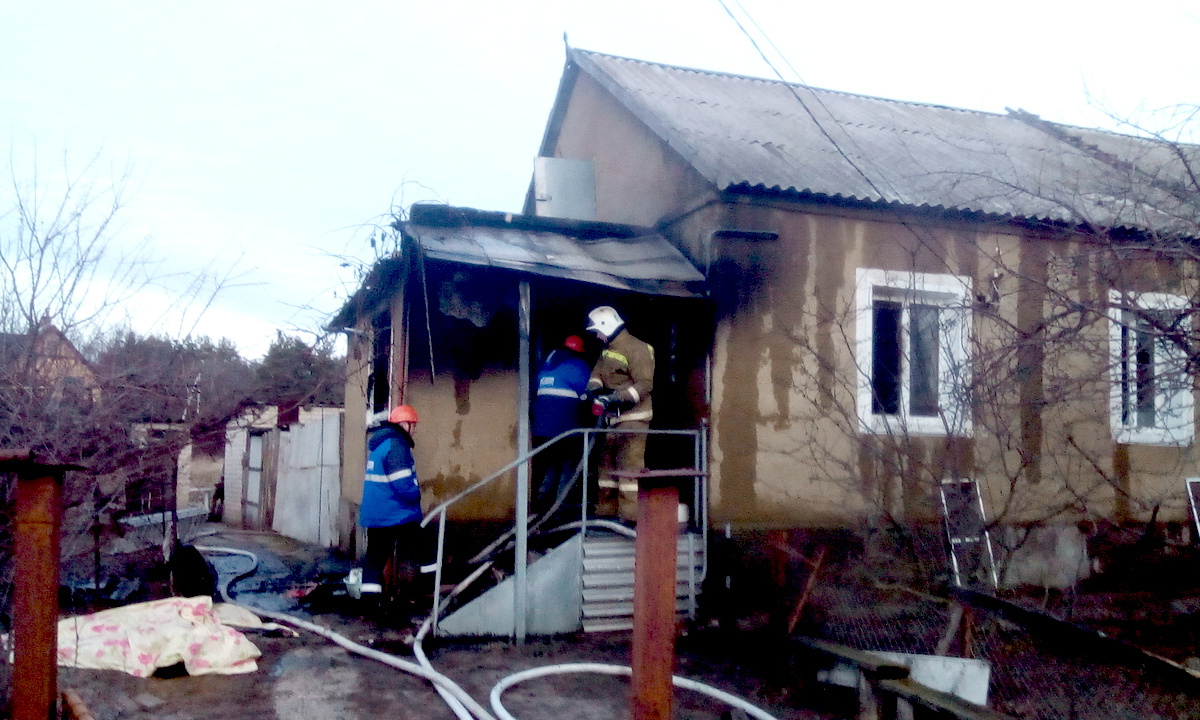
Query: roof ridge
point(811, 88)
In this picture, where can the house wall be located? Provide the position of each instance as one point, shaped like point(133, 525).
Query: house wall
point(197, 478)
point(628, 159)
point(234, 474)
point(466, 398)
point(354, 432)
point(787, 448)
point(305, 505)
point(59, 362)
point(467, 431)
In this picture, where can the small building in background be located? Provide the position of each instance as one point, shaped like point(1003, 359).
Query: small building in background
point(282, 472)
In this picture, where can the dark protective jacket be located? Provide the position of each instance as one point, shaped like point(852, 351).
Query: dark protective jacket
point(390, 492)
point(626, 367)
point(558, 406)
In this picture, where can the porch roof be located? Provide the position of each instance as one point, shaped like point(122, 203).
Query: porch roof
point(616, 256)
point(623, 257)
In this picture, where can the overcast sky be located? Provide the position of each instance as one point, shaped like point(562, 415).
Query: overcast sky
point(264, 136)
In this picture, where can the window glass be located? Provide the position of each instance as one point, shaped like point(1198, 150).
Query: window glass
point(885, 358)
point(1152, 397)
point(923, 364)
point(912, 352)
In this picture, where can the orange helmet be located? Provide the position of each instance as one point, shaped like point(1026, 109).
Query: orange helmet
point(574, 342)
point(403, 413)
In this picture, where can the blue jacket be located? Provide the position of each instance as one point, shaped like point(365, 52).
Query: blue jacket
point(558, 405)
point(390, 492)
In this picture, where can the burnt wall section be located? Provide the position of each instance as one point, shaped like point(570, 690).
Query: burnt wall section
point(462, 338)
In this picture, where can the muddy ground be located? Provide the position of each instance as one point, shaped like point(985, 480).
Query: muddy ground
point(310, 677)
point(857, 602)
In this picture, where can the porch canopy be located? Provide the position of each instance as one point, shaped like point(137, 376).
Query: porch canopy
point(623, 257)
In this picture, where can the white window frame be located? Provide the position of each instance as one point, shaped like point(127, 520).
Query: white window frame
point(1174, 411)
point(952, 294)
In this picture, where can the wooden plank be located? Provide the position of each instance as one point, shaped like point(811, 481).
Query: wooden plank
point(809, 582)
point(36, 543)
point(867, 662)
point(944, 704)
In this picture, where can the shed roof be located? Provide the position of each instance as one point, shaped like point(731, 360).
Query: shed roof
point(748, 133)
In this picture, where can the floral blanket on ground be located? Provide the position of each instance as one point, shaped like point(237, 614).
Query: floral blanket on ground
point(138, 639)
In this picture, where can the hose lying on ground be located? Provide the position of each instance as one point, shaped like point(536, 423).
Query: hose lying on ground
point(446, 687)
point(460, 702)
point(606, 669)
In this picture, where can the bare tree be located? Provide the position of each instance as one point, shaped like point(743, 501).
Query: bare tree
point(68, 273)
point(60, 253)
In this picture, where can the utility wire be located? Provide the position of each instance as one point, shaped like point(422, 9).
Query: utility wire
point(792, 89)
point(765, 36)
point(921, 238)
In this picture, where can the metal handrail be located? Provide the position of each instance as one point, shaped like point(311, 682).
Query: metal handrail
point(441, 511)
point(511, 465)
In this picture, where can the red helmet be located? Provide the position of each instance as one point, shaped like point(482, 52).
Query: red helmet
point(574, 342)
point(403, 413)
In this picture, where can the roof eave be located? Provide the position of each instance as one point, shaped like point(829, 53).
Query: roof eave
point(1040, 224)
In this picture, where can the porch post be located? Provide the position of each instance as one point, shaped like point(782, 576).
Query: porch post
point(521, 586)
point(37, 520)
point(654, 592)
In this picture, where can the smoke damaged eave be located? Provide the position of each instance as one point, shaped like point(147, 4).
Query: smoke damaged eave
point(375, 289)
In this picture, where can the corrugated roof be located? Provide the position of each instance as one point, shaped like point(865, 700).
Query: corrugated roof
point(625, 257)
point(740, 131)
point(647, 263)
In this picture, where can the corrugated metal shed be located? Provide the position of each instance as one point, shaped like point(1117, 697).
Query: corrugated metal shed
point(746, 132)
point(645, 263)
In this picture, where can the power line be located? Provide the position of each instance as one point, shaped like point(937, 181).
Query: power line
point(792, 89)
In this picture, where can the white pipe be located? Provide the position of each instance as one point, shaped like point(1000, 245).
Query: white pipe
point(419, 652)
point(440, 681)
point(463, 705)
point(605, 669)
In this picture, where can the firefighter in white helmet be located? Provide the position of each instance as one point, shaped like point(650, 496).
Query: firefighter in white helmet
point(620, 384)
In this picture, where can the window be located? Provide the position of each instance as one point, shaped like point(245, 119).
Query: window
point(912, 352)
point(1151, 400)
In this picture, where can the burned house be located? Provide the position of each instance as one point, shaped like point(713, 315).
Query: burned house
point(856, 301)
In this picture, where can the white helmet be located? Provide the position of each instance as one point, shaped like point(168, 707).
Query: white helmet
point(605, 321)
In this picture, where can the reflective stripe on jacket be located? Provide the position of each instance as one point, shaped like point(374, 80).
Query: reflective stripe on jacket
point(558, 405)
point(626, 367)
point(391, 495)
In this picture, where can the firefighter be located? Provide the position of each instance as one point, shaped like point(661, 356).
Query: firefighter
point(620, 384)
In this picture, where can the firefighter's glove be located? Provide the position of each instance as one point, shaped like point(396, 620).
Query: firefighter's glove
point(601, 403)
